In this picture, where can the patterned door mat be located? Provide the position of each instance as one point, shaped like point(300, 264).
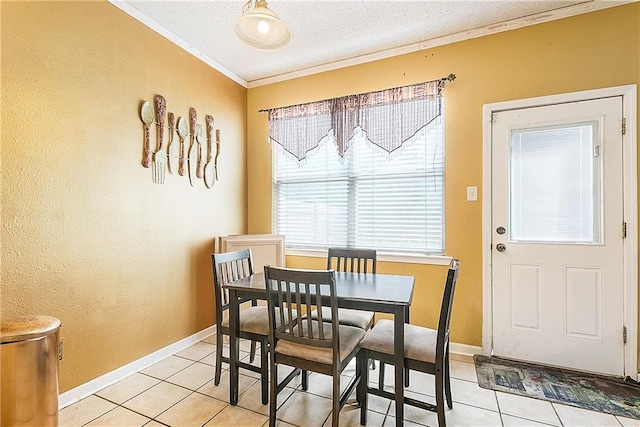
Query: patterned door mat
point(589, 391)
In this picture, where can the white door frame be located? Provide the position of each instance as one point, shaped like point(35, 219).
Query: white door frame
point(630, 176)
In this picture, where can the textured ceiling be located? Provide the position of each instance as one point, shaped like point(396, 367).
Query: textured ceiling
point(328, 32)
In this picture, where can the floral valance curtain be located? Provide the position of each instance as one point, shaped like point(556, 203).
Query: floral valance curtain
point(388, 118)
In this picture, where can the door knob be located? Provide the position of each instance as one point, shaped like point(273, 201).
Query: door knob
point(501, 247)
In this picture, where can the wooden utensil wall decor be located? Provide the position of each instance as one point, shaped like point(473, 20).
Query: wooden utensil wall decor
point(209, 169)
point(170, 148)
point(191, 163)
point(200, 160)
point(146, 114)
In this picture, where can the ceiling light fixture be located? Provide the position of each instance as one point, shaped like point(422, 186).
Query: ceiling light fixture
point(259, 28)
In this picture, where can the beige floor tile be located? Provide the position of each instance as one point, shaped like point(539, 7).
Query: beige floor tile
point(245, 345)
point(167, 367)
point(391, 422)
point(197, 351)
point(460, 415)
point(251, 398)
point(511, 421)
point(423, 380)
point(571, 416)
point(236, 416)
point(463, 370)
point(211, 339)
point(193, 376)
point(84, 411)
point(419, 382)
point(157, 399)
point(283, 371)
point(256, 362)
point(127, 388)
point(279, 423)
point(628, 422)
point(531, 409)
point(120, 417)
point(322, 385)
point(221, 391)
point(304, 409)
point(153, 423)
point(211, 359)
point(471, 393)
point(350, 417)
point(195, 410)
point(461, 357)
point(412, 413)
point(378, 404)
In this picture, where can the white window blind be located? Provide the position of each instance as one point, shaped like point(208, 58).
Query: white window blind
point(555, 184)
point(367, 198)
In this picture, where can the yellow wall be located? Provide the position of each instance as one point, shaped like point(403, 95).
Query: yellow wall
point(124, 263)
point(86, 236)
point(595, 50)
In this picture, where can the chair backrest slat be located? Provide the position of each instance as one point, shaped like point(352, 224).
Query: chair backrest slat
point(228, 267)
point(352, 260)
point(304, 289)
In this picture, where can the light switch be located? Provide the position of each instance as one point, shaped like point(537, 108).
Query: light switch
point(472, 194)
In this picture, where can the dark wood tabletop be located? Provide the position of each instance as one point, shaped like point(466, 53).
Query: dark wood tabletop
point(352, 289)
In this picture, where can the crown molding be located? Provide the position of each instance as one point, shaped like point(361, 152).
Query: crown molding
point(513, 24)
point(164, 32)
point(539, 18)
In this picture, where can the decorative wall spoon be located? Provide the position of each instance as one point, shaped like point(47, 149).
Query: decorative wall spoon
point(146, 114)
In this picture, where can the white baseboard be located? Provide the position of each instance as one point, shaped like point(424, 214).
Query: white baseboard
point(464, 349)
point(89, 388)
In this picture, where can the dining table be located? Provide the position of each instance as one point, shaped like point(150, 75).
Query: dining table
point(382, 293)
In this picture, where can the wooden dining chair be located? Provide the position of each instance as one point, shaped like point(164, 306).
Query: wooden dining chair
point(323, 346)
point(351, 261)
point(425, 350)
point(254, 320)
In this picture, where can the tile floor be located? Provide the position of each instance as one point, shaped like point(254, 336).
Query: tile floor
point(179, 391)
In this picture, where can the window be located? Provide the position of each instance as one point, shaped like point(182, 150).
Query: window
point(555, 184)
point(350, 190)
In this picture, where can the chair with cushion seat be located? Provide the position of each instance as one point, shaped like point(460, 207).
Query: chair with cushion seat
point(254, 320)
point(425, 350)
point(351, 261)
point(323, 346)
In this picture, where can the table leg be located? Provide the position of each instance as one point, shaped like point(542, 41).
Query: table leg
point(398, 351)
point(234, 346)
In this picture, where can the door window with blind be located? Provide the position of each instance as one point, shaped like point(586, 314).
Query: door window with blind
point(350, 176)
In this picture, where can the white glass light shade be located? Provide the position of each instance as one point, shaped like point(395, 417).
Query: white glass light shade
point(261, 29)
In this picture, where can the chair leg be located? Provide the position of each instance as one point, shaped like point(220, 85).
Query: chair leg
point(381, 376)
point(362, 388)
point(264, 374)
point(335, 414)
point(305, 380)
point(216, 378)
point(252, 354)
point(273, 392)
point(359, 365)
point(447, 381)
point(406, 377)
point(440, 397)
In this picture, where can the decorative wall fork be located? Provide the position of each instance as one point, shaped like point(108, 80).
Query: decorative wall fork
point(159, 157)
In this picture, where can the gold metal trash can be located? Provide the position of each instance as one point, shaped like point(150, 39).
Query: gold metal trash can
point(29, 371)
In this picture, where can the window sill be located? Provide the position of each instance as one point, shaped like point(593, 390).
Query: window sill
point(381, 256)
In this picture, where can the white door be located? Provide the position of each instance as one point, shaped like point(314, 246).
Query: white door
point(557, 235)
